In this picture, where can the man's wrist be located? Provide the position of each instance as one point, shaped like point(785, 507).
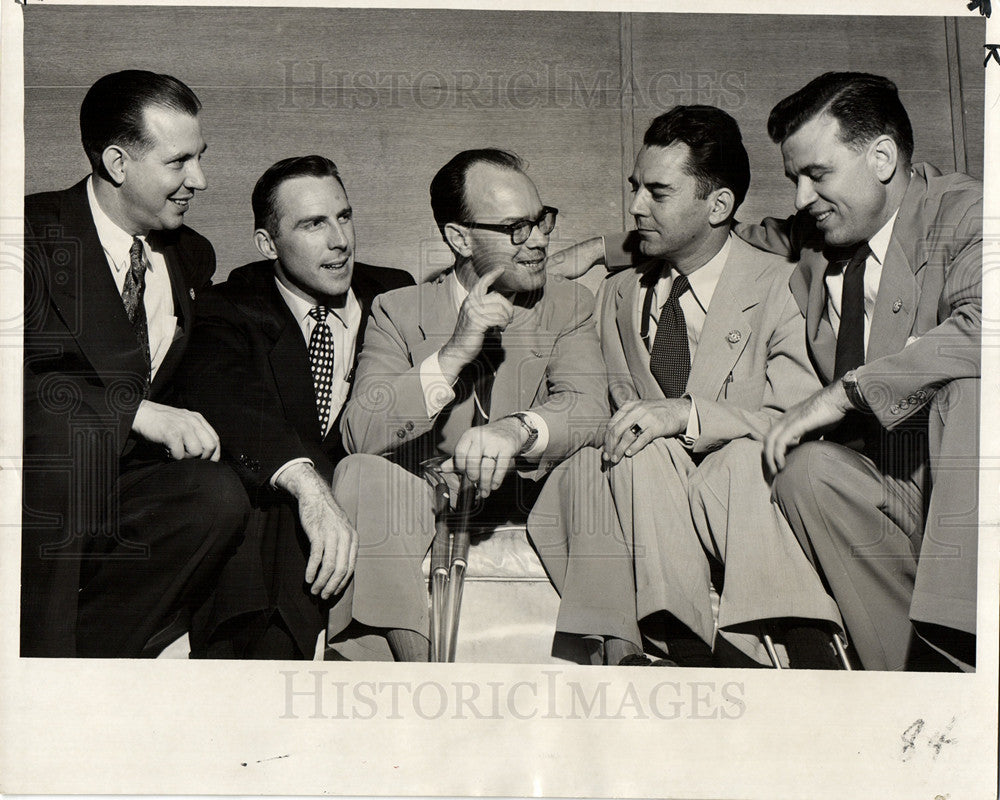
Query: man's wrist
point(526, 431)
point(299, 480)
point(852, 391)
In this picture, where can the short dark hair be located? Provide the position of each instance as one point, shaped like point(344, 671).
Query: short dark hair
point(866, 106)
point(718, 158)
point(112, 110)
point(265, 212)
point(448, 200)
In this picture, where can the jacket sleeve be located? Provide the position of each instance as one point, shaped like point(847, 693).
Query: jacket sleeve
point(386, 409)
point(221, 378)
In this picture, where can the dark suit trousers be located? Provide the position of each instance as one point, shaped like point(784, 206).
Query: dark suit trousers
point(177, 522)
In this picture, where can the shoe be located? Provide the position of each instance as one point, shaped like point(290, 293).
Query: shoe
point(641, 660)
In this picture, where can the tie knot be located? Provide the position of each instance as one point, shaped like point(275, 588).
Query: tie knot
point(859, 258)
point(679, 286)
point(319, 313)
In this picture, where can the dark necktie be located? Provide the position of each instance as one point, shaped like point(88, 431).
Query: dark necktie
point(133, 292)
point(321, 362)
point(486, 372)
point(851, 336)
point(670, 357)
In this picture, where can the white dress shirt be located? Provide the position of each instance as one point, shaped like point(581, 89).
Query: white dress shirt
point(344, 324)
point(694, 303)
point(157, 297)
point(834, 280)
point(439, 392)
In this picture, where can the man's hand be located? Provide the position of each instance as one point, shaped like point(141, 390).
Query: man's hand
point(578, 259)
point(486, 454)
point(184, 434)
point(480, 311)
point(655, 418)
point(333, 542)
point(817, 413)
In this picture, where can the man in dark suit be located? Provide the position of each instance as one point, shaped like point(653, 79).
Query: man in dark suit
point(126, 517)
point(271, 364)
point(890, 282)
point(491, 365)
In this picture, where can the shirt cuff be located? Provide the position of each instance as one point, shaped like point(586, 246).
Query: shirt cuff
point(534, 453)
point(690, 436)
point(277, 473)
point(437, 390)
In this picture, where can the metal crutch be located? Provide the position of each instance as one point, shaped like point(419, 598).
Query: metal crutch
point(440, 552)
point(456, 575)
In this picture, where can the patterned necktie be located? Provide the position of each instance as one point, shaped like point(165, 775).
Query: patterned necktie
point(851, 336)
point(321, 361)
point(670, 357)
point(133, 292)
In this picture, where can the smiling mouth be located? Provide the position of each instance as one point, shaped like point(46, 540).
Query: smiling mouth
point(334, 265)
point(823, 216)
point(181, 202)
point(533, 265)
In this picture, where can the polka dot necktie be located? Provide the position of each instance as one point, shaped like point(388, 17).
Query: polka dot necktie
point(133, 292)
point(321, 361)
point(670, 357)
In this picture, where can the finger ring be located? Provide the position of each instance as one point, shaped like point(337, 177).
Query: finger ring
point(636, 430)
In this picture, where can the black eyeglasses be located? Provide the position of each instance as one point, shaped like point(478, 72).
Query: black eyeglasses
point(520, 231)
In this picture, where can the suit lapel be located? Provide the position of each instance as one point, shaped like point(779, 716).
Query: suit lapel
point(527, 344)
point(89, 301)
point(627, 311)
point(811, 272)
point(727, 325)
point(289, 360)
point(896, 302)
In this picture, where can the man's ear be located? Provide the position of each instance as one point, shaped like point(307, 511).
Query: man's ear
point(458, 238)
point(264, 243)
point(883, 154)
point(115, 160)
point(721, 205)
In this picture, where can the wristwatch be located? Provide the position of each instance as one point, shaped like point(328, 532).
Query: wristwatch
point(853, 391)
point(521, 417)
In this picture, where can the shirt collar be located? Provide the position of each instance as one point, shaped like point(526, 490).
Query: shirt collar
point(879, 243)
point(704, 279)
point(300, 307)
point(116, 242)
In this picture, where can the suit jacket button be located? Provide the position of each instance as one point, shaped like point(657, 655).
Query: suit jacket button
point(409, 425)
point(400, 434)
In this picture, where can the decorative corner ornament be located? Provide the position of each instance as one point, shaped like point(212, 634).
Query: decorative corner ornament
point(733, 337)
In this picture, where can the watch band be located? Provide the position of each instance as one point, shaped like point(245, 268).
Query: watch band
point(853, 392)
point(521, 417)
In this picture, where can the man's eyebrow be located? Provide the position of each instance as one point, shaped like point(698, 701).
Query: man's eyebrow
point(659, 187)
point(311, 218)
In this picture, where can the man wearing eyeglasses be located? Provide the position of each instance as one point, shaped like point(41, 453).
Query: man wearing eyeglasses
point(490, 366)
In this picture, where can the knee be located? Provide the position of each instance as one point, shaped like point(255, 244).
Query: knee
point(217, 487)
point(808, 467)
point(358, 467)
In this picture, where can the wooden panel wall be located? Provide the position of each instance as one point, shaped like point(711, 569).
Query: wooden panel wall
point(392, 95)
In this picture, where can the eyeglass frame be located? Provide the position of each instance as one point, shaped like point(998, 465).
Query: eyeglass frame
point(510, 227)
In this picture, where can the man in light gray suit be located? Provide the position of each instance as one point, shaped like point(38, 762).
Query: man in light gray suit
point(704, 347)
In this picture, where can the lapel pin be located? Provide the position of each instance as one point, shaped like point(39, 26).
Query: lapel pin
point(191, 292)
point(897, 306)
point(734, 337)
